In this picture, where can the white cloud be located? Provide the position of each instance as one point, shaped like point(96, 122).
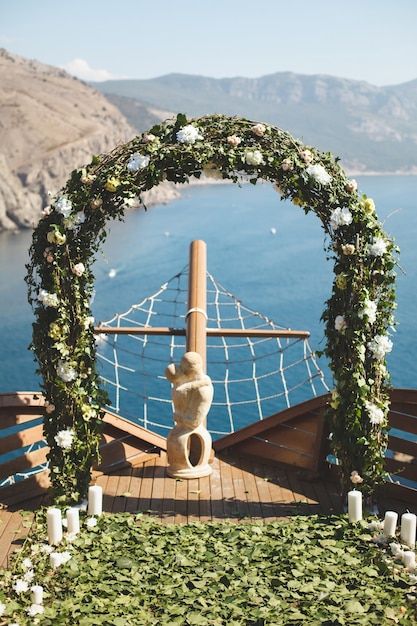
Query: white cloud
point(81, 69)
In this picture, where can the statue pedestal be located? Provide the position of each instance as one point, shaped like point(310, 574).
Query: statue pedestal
point(181, 440)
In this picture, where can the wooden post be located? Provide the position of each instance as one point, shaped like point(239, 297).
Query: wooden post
point(196, 317)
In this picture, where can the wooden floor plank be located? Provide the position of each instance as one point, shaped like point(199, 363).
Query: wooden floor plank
point(237, 488)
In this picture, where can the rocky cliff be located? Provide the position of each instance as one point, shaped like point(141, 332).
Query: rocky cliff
point(50, 123)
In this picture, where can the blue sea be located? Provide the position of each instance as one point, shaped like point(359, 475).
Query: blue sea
point(265, 251)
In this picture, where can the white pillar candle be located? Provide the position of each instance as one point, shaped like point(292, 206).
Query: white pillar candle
point(37, 594)
point(73, 521)
point(355, 506)
point(390, 523)
point(409, 559)
point(408, 529)
point(95, 500)
point(54, 524)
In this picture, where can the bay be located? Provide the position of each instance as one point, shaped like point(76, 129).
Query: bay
point(284, 276)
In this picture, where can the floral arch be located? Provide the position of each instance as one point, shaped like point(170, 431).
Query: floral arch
point(357, 315)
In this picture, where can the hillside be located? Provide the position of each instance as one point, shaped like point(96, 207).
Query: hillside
point(372, 129)
point(50, 123)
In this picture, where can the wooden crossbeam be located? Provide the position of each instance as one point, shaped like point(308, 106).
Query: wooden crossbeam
point(286, 333)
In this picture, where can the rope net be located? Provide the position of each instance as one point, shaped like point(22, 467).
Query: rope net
point(252, 377)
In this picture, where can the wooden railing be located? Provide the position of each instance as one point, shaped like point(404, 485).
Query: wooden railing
point(296, 437)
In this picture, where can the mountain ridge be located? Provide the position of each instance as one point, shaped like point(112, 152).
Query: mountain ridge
point(51, 122)
point(371, 128)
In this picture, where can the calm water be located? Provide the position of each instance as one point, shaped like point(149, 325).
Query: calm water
point(284, 275)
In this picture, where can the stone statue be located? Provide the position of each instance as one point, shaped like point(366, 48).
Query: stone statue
point(192, 394)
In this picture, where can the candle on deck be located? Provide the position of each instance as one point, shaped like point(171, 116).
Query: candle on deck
point(73, 521)
point(355, 506)
point(408, 529)
point(409, 559)
point(390, 523)
point(95, 500)
point(54, 524)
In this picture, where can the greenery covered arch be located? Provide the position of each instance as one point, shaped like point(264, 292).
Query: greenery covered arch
point(357, 315)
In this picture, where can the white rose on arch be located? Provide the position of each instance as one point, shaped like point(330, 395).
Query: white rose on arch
point(340, 323)
point(189, 134)
point(253, 157)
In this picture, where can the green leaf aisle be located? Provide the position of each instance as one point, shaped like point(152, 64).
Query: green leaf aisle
point(129, 570)
point(358, 314)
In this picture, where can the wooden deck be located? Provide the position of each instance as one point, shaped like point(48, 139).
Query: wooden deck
point(238, 489)
point(288, 480)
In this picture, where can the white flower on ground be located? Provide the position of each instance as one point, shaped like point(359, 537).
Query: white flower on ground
point(380, 346)
point(35, 609)
point(63, 205)
point(78, 269)
point(253, 157)
point(378, 247)
point(48, 299)
point(60, 558)
point(319, 174)
point(369, 310)
point(2, 608)
point(376, 415)
point(20, 586)
point(138, 162)
point(189, 134)
point(375, 526)
point(91, 522)
point(65, 438)
point(340, 322)
point(340, 217)
point(29, 575)
point(66, 372)
point(27, 563)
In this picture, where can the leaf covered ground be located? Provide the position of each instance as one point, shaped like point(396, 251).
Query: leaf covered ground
point(130, 570)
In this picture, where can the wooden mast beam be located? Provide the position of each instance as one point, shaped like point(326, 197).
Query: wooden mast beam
point(196, 316)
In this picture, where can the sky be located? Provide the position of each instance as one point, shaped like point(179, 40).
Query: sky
point(370, 40)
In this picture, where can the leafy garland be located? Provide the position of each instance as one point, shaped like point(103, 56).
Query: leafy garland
point(357, 316)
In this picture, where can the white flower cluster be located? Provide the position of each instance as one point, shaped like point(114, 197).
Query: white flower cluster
point(48, 299)
point(189, 134)
point(59, 558)
point(138, 162)
point(340, 217)
point(66, 372)
point(63, 205)
point(253, 157)
point(74, 221)
point(369, 310)
point(319, 174)
point(380, 346)
point(376, 415)
point(378, 247)
point(65, 438)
